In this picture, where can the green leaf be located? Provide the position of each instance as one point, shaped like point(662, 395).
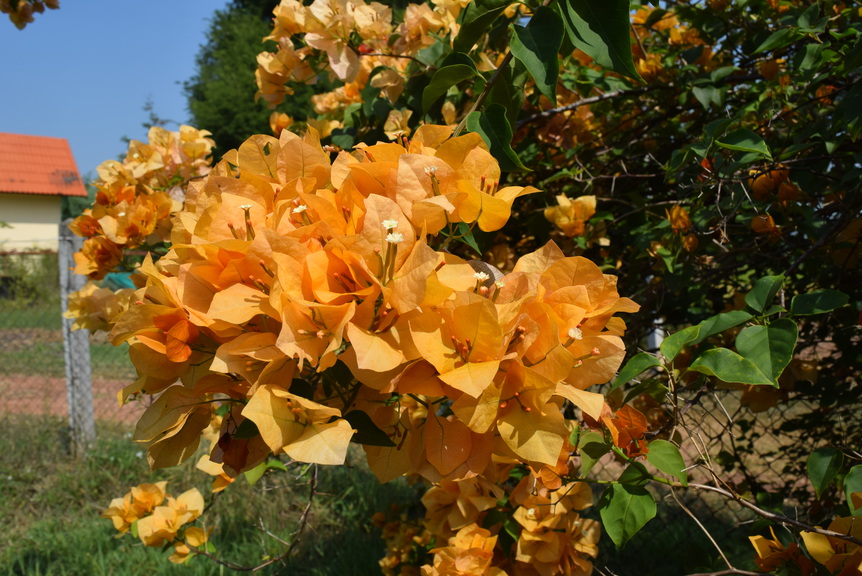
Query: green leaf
point(665, 456)
point(276, 464)
point(651, 387)
point(778, 39)
point(744, 140)
point(466, 236)
point(601, 29)
point(635, 474)
point(454, 70)
point(508, 90)
point(537, 46)
point(823, 465)
point(367, 433)
point(818, 302)
point(763, 292)
point(512, 528)
point(246, 429)
point(592, 446)
point(721, 322)
point(852, 484)
point(851, 110)
point(575, 435)
point(673, 344)
point(810, 21)
point(654, 17)
point(774, 309)
point(625, 509)
point(729, 366)
point(707, 95)
point(720, 74)
point(770, 348)
point(491, 124)
point(478, 17)
point(636, 365)
point(255, 473)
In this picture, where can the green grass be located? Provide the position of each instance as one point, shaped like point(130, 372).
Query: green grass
point(50, 524)
point(31, 342)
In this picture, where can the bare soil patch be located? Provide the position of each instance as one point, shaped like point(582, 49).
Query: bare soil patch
point(44, 396)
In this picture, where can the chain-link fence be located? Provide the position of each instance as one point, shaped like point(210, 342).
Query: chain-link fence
point(46, 369)
point(760, 455)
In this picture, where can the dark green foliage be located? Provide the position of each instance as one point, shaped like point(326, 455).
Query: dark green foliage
point(221, 94)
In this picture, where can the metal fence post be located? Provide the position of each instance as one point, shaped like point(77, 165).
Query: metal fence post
point(79, 384)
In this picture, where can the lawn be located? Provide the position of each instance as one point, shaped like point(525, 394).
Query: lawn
point(50, 511)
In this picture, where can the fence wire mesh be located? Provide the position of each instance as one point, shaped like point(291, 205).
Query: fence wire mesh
point(34, 364)
point(761, 455)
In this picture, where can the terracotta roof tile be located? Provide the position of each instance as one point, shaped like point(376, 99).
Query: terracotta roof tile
point(38, 165)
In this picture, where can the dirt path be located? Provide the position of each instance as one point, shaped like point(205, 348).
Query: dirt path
point(40, 395)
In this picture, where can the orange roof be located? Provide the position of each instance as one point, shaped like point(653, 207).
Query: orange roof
point(38, 165)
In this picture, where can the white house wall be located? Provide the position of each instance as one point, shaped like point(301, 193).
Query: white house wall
point(33, 220)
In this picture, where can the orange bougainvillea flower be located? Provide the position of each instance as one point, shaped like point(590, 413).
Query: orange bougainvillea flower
point(97, 257)
point(299, 427)
point(839, 556)
point(162, 526)
point(193, 536)
point(571, 216)
point(679, 220)
point(773, 555)
point(94, 308)
point(469, 553)
point(451, 506)
point(764, 224)
point(285, 263)
point(627, 428)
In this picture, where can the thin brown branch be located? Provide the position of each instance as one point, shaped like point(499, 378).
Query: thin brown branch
point(780, 518)
point(403, 57)
point(703, 529)
point(590, 100)
point(487, 90)
point(294, 537)
point(728, 573)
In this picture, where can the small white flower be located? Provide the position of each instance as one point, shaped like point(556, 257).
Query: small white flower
point(430, 170)
point(576, 333)
point(246, 206)
point(394, 237)
point(390, 224)
point(481, 276)
point(499, 284)
point(299, 209)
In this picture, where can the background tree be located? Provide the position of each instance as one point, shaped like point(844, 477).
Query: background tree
point(221, 93)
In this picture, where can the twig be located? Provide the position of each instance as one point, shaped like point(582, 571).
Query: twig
point(780, 518)
point(590, 100)
point(402, 56)
point(481, 99)
point(294, 536)
point(703, 528)
point(728, 572)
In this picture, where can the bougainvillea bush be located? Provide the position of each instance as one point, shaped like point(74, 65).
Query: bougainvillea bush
point(433, 267)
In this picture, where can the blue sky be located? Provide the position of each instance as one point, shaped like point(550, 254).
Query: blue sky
point(85, 71)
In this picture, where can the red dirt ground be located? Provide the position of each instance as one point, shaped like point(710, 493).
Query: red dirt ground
point(43, 396)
